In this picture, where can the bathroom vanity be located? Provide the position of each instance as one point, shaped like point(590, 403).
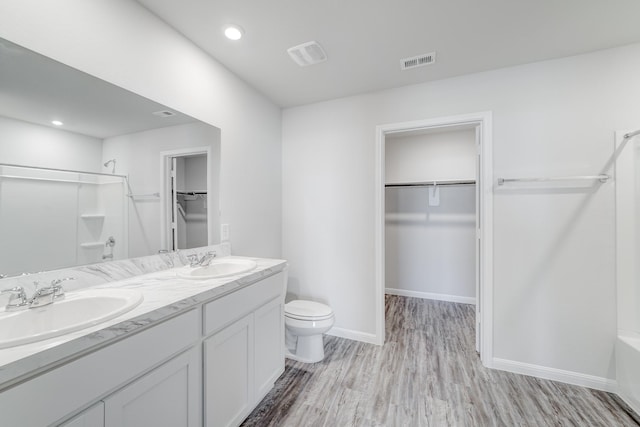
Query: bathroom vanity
point(194, 352)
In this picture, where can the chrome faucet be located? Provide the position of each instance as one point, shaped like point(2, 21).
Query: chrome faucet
point(49, 294)
point(42, 296)
point(17, 300)
point(206, 259)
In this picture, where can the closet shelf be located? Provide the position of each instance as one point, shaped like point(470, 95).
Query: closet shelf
point(431, 183)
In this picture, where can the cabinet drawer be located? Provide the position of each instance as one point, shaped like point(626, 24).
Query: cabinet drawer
point(223, 311)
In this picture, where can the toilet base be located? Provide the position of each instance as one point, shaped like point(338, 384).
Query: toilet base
point(308, 349)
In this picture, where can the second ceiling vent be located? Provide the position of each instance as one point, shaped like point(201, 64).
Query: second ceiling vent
point(307, 54)
point(418, 61)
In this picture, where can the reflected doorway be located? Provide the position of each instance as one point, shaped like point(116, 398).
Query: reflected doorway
point(186, 198)
point(189, 201)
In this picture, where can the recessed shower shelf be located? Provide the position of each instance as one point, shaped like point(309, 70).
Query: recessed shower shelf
point(92, 216)
point(92, 245)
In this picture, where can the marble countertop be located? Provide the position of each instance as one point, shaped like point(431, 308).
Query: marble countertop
point(165, 295)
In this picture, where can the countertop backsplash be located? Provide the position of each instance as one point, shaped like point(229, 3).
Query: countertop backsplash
point(104, 272)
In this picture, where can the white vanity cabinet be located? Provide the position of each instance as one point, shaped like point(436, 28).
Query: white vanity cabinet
point(85, 381)
point(243, 351)
point(92, 417)
point(209, 365)
point(168, 396)
point(269, 346)
point(228, 361)
point(165, 397)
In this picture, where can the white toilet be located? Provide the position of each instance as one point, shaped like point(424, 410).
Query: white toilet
point(305, 322)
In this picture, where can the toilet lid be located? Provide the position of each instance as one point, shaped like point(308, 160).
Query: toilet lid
point(300, 309)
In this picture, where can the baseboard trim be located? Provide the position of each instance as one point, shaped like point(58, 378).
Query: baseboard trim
point(569, 377)
point(633, 404)
point(429, 295)
point(354, 335)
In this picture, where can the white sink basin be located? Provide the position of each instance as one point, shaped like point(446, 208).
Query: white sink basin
point(218, 268)
point(78, 310)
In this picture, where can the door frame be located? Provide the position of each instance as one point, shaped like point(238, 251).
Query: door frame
point(165, 185)
point(484, 299)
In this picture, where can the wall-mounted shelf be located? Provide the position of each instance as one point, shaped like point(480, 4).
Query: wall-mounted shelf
point(92, 245)
point(92, 216)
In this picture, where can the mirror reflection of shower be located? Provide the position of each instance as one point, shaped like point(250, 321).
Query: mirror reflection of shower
point(108, 162)
point(60, 217)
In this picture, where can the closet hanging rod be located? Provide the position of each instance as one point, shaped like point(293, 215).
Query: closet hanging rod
point(631, 134)
point(192, 193)
point(602, 178)
point(428, 183)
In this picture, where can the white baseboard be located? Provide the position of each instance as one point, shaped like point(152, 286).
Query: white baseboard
point(429, 295)
point(569, 377)
point(353, 335)
point(633, 403)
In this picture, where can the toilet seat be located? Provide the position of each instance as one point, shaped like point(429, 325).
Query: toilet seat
point(307, 310)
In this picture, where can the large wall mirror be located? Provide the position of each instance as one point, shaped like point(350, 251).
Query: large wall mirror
point(86, 170)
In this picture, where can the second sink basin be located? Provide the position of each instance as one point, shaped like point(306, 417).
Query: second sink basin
point(78, 310)
point(218, 268)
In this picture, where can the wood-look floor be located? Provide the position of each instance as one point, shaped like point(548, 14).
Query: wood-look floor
point(426, 374)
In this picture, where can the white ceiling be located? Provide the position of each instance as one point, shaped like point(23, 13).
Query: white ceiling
point(365, 39)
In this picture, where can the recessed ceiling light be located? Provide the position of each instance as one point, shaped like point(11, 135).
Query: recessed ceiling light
point(233, 32)
point(56, 122)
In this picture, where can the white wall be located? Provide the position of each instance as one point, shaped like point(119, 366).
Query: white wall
point(554, 272)
point(628, 234)
point(432, 156)
point(122, 43)
point(430, 250)
point(25, 143)
point(138, 156)
point(195, 174)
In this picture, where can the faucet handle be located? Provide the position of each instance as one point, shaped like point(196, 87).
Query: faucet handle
point(207, 258)
point(193, 260)
point(56, 282)
point(58, 290)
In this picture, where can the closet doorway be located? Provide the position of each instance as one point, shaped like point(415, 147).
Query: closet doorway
point(434, 215)
point(185, 199)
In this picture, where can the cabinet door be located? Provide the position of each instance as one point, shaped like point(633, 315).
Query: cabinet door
point(228, 365)
point(165, 397)
point(269, 342)
point(91, 417)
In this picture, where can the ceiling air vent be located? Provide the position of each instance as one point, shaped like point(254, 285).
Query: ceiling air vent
point(164, 113)
point(307, 54)
point(418, 61)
